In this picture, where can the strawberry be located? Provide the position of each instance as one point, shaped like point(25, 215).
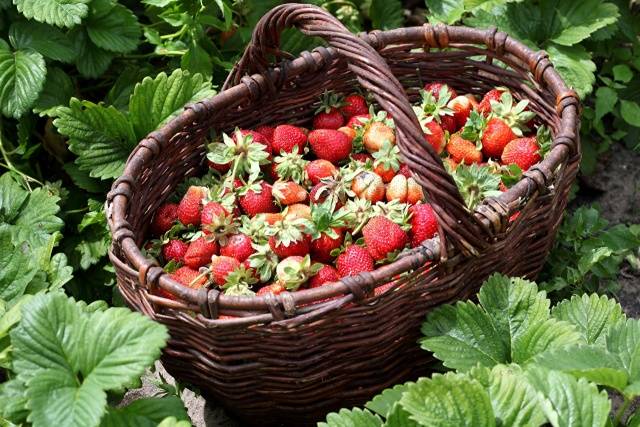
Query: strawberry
point(358, 120)
point(272, 218)
point(294, 271)
point(189, 277)
point(318, 169)
point(174, 250)
point(266, 131)
point(424, 224)
point(354, 105)
point(434, 108)
point(404, 170)
point(387, 161)
point(495, 137)
point(434, 135)
point(243, 152)
point(328, 115)
point(190, 205)
point(382, 237)
point(257, 137)
point(297, 210)
point(288, 238)
point(368, 185)
point(414, 191)
point(397, 189)
point(288, 192)
point(484, 106)
point(437, 87)
point(238, 246)
point(258, 199)
point(462, 150)
point(322, 246)
point(524, 152)
point(329, 144)
point(289, 166)
point(222, 168)
point(274, 288)
point(285, 137)
point(166, 216)
point(362, 157)
point(375, 134)
point(353, 261)
point(292, 248)
point(326, 274)
point(212, 214)
point(221, 267)
point(200, 252)
point(461, 107)
point(350, 132)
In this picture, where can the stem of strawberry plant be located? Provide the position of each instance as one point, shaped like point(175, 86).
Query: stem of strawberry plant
point(7, 164)
point(618, 419)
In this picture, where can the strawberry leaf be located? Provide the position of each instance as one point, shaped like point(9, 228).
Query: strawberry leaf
point(145, 412)
point(61, 13)
point(353, 417)
point(22, 76)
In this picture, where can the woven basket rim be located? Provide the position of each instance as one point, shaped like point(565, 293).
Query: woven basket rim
point(532, 182)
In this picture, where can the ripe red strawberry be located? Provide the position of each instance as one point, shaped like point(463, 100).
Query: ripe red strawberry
point(424, 224)
point(354, 260)
point(222, 168)
point(358, 120)
point(190, 206)
point(383, 236)
point(434, 135)
point(200, 252)
point(495, 137)
point(288, 192)
point(354, 105)
point(221, 267)
point(329, 144)
point(253, 203)
point(237, 246)
point(524, 152)
point(165, 217)
point(285, 137)
point(361, 157)
point(449, 124)
point(318, 169)
point(331, 119)
point(321, 247)
point(462, 150)
point(212, 213)
point(461, 107)
point(266, 131)
point(327, 274)
point(387, 174)
point(295, 248)
point(485, 104)
point(274, 288)
point(404, 170)
point(189, 277)
point(436, 87)
point(174, 250)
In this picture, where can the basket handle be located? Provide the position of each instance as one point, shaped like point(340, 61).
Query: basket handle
point(457, 224)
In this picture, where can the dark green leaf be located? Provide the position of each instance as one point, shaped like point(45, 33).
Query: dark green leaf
point(91, 60)
point(16, 270)
point(630, 112)
point(115, 29)
point(575, 65)
point(386, 14)
point(606, 99)
point(22, 75)
point(62, 13)
point(447, 11)
point(45, 39)
point(58, 89)
point(147, 412)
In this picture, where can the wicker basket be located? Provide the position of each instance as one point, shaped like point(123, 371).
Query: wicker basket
point(289, 359)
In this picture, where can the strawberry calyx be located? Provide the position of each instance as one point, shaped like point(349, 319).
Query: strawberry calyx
point(544, 140)
point(263, 261)
point(433, 106)
point(245, 155)
point(395, 211)
point(516, 116)
point(330, 100)
point(289, 231)
point(325, 219)
point(239, 282)
point(290, 166)
point(476, 183)
point(388, 157)
point(474, 127)
point(294, 271)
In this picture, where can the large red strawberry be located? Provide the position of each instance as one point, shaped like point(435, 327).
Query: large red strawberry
point(329, 119)
point(258, 201)
point(266, 131)
point(383, 236)
point(165, 217)
point(461, 107)
point(212, 213)
point(238, 246)
point(424, 224)
point(200, 252)
point(221, 267)
point(436, 87)
point(292, 248)
point(463, 150)
point(354, 105)
point(495, 137)
point(353, 261)
point(274, 288)
point(322, 246)
point(434, 135)
point(189, 277)
point(327, 274)
point(285, 137)
point(318, 169)
point(329, 144)
point(191, 205)
point(524, 152)
point(485, 104)
point(174, 250)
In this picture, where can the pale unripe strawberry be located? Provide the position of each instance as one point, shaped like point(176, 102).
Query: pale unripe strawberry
point(375, 136)
point(368, 185)
point(397, 189)
point(414, 192)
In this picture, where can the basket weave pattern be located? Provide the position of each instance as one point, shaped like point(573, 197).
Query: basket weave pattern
point(291, 358)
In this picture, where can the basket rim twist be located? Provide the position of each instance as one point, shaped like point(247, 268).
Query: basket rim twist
point(466, 234)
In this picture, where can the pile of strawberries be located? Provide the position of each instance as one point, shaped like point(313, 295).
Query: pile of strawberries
point(286, 208)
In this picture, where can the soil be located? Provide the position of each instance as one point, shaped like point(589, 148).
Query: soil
point(615, 187)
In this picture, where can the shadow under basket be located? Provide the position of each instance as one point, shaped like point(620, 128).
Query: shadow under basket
point(290, 359)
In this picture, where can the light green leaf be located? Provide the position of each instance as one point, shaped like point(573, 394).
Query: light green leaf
point(22, 75)
point(447, 11)
point(587, 361)
point(58, 272)
point(115, 29)
point(147, 412)
point(623, 339)
point(630, 112)
point(542, 336)
point(13, 315)
point(62, 13)
point(622, 73)
point(16, 270)
point(593, 315)
point(58, 89)
point(578, 20)
point(173, 422)
point(102, 137)
point(154, 101)
point(13, 401)
point(383, 402)
point(449, 400)
point(398, 417)
point(632, 390)
point(570, 402)
point(575, 66)
point(91, 60)
point(386, 14)
point(606, 99)
point(352, 418)
point(45, 39)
